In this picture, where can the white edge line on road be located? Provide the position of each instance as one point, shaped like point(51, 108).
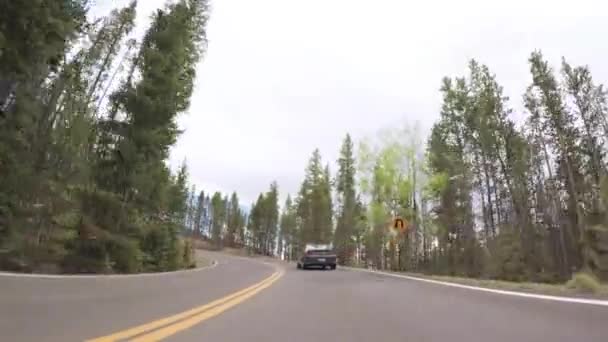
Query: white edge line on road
point(213, 264)
point(484, 289)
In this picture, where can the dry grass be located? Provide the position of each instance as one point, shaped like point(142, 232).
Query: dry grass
point(585, 282)
point(581, 286)
point(601, 291)
point(238, 252)
point(201, 261)
point(208, 246)
point(201, 244)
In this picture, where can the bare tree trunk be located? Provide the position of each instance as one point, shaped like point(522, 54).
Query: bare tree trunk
point(104, 65)
point(555, 206)
point(488, 193)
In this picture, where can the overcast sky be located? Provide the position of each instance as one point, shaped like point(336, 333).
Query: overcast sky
point(282, 77)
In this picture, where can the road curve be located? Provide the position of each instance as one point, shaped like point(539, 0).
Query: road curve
point(76, 309)
point(306, 306)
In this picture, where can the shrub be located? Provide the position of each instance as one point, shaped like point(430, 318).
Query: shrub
point(584, 282)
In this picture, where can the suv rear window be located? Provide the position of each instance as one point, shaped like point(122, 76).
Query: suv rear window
point(319, 251)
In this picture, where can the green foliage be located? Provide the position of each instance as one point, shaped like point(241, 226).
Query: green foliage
point(35, 35)
point(188, 253)
point(263, 224)
point(87, 189)
point(594, 239)
point(437, 183)
point(347, 211)
point(219, 218)
point(288, 233)
point(584, 282)
point(390, 171)
point(491, 199)
point(507, 262)
point(488, 199)
point(314, 204)
point(537, 188)
point(235, 222)
point(124, 254)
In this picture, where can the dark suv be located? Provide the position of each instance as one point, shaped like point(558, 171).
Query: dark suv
point(314, 257)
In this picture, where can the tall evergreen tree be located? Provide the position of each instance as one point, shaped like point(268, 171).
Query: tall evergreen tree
point(287, 231)
point(218, 218)
point(255, 224)
point(271, 218)
point(346, 211)
point(235, 221)
point(544, 100)
point(34, 43)
point(314, 205)
point(199, 214)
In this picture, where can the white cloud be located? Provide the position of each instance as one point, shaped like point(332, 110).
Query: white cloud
point(282, 77)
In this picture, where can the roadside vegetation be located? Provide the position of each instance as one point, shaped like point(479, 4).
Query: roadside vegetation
point(87, 117)
point(488, 201)
point(582, 286)
point(485, 198)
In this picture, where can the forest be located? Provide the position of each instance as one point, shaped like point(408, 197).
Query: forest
point(87, 118)
point(88, 115)
point(484, 196)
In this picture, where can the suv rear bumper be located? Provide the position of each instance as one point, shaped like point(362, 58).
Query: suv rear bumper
point(319, 264)
point(314, 262)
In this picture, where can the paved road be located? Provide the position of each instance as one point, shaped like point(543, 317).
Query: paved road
point(306, 306)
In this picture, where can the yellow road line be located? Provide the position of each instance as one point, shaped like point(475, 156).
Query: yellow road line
point(167, 331)
point(177, 317)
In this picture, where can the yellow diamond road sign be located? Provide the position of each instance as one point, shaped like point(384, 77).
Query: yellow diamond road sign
point(400, 224)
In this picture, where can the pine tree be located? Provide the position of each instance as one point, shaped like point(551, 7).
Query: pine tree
point(34, 41)
point(287, 231)
point(95, 192)
point(264, 221)
point(447, 152)
point(347, 214)
point(591, 107)
point(314, 204)
point(255, 224)
point(199, 214)
point(235, 218)
point(555, 122)
point(218, 219)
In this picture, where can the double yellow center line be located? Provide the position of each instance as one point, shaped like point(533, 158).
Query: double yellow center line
point(165, 327)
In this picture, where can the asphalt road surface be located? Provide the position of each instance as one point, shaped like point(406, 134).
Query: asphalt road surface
point(241, 299)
